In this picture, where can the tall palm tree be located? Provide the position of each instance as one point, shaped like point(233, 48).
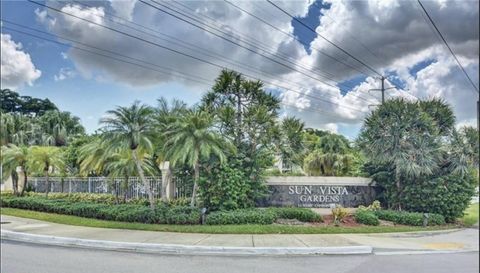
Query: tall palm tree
point(166, 114)
point(131, 128)
point(192, 139)
point(400, 134)
point(47, 159)
point(12, 157)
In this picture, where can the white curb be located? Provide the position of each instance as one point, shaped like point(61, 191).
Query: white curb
point(182, 249)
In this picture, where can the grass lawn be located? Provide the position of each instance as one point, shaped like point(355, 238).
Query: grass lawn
point(227, 229)
point(471, 215)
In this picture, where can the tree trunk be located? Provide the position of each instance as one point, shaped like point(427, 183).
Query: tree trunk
point(47, 182)
point(195, 184)
point(24, 182)
point(151, 198)
point(14, 175)
point(399, 187)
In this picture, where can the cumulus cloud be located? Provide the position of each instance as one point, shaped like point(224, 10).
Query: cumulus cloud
point(390, 36)
point(16, 65)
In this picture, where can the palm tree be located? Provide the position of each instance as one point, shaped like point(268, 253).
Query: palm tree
point(166, 114)
point(47, 159)
point(131, 128)
point(400, 134)
point(14, 156)
point(192, 139)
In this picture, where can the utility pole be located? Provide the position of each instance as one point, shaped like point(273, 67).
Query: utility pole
point(382, 79)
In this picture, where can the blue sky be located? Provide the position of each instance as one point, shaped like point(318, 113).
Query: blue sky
point(89, 96)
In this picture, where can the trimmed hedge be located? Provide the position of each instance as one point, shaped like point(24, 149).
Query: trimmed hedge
point(301, 214)
point(163, 214)
point(366, 217)
point(241, 216)
point(409, 218)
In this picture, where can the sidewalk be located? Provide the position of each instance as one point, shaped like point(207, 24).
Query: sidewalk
point(451, 240)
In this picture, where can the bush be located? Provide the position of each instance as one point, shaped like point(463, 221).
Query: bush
point(366, 217)
point(409, 218)
point(339, 213)
point(301, 214)
point(446, 195)
point(244, 216)
point(163, 214)
point(224, 187)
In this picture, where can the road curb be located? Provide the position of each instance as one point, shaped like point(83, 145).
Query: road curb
point(182, 249)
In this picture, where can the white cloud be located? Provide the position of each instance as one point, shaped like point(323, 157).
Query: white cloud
point(123, 8)
point(16, 65)
point(396, 35)
point(64, 55)
point(63, 74)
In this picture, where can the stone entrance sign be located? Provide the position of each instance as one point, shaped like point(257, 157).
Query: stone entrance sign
point(319, 192)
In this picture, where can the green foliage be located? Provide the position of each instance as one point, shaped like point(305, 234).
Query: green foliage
point(339, 213)
point(318, 163)
point(418, 157)
point(447, 195)
point(409, 218)
point(163, 214)
point(301, 214)
point(12, 102)
point(243, 216)
point(224, 187)
point(366, 217)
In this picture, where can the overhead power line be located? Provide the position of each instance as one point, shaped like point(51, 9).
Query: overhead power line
point(324, 38)
point(448, 46)
point(193, 47)
point(294, 37)
point(205, 28)
point(166, 72)
point(196, 58)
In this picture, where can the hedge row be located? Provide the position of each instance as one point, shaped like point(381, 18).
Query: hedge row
point(163, 214)
point(261, 216)
point(125, 213)
point(409, 218)
point(301, 214)
point(366, 217)
point(102, 198)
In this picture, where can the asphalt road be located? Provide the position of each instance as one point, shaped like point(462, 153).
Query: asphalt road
point(32, 258)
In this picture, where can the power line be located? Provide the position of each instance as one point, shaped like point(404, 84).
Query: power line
point(199, 59)
point(293, 36)
point(330, 42)
point(449, 48)
point(184, 20)
point(229, 40)
point(190, 77)
point(349, 33)
point(191, 46)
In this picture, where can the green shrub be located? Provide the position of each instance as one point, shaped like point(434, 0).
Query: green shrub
point(301, 214)
point(448, 195)
point(409, 218)
point(164, 214)
point(339, 213)
point(366, 217)
point(224, 187)
point(244, 216)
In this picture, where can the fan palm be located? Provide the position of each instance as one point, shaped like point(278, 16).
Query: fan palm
point(47, 159)
point(131, 128)
point(192, 139)
point(12, 157)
